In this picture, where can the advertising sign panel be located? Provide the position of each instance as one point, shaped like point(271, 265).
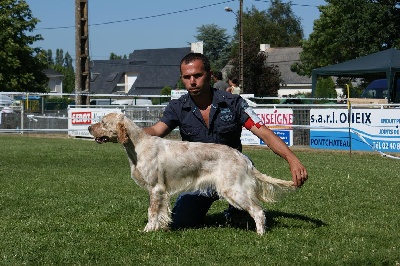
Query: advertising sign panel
point(79, 119)
point(377, 128)
point(176, 94)
point(280, 121)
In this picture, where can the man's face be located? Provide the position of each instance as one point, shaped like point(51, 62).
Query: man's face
point(195, 78)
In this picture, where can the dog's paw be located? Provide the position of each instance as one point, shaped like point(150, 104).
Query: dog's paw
point(261, 231)
point(151, 227)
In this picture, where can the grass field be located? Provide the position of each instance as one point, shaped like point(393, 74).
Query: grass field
point(72, 202)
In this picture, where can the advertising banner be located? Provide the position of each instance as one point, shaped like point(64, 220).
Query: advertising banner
point(176, 94)
point(377, 128)
point(280, 121)
point(79, 119)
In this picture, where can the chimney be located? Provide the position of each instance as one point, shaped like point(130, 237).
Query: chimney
point(264, 47)
point(196, 47)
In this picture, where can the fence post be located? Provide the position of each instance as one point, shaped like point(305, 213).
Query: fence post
point(22, 119)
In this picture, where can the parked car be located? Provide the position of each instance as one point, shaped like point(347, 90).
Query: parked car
point(6, 100)
point(100, 102)
point(132, 102)
point(377, 89)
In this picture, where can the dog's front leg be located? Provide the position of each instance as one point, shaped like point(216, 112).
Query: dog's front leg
point(158, 212)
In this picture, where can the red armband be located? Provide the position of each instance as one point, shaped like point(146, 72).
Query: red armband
point(250, 123)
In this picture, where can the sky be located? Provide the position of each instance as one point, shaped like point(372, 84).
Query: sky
point(122, 26)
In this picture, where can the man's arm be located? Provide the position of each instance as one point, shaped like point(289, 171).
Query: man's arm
point(159, 129)
point(299, 172)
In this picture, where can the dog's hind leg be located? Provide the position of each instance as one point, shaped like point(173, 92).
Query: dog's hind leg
point(247, 201)
point(158, 212)
point(258, 215)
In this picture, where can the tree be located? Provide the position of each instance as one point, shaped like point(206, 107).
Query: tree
point(179, 85)
point(325, 88)
point(64, 65)
point(166, 90)
point(49, 57)
point(277, 26)
point(22, 66)
point(115, 56)
point(216, 44)
point(69, 74)
point(260, 78)
point(59, 57)
point(348, 29)
point(285, 28)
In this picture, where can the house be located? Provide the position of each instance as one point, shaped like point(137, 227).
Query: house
point(55, 84)
point(145, 72)
point(284, 57)
point(148, 71)
point(292, 83)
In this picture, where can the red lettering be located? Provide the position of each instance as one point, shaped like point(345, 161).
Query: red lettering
point(277, 119)
point(81, 118)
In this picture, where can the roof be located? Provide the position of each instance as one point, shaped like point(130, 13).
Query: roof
point(155, 69)
point(283, 58)
point(50, 73)
point(380, 62)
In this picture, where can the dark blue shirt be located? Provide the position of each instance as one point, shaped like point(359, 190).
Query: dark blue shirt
point(227, 117)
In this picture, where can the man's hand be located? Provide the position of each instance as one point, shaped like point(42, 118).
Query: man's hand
point(299, 172)
point(159, 129)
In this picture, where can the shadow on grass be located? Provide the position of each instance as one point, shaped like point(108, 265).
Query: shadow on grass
point(275, 219)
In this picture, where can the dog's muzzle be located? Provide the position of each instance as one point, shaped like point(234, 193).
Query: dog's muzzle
point(99, 140)
point(102, 140)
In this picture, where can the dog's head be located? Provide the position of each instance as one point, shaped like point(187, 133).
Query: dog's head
point(111, 128)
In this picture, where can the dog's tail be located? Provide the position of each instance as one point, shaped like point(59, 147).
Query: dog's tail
point(273, 188)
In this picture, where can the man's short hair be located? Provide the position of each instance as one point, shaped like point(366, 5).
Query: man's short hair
point(190, 57)
point(234, 81)
point(218, 75)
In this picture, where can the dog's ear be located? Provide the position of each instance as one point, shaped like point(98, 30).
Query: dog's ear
point(120, 117)
point(122, 135)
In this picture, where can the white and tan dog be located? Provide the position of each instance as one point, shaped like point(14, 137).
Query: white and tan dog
point(164, 167)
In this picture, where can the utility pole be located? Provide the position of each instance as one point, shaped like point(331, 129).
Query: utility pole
point(82, 72)
point(240, 33)
point(241, 46)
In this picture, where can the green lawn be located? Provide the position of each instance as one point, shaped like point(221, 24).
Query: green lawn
point(72, 202)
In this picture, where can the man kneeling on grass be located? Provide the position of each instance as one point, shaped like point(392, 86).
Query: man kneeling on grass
point(208, 115)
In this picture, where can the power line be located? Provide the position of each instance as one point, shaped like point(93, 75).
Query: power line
point(290, 3)
point(141, 18)
point(161, 15)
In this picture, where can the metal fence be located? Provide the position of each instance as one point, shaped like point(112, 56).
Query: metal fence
point(301, 117)
point(56, 122)
point(16, 120)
